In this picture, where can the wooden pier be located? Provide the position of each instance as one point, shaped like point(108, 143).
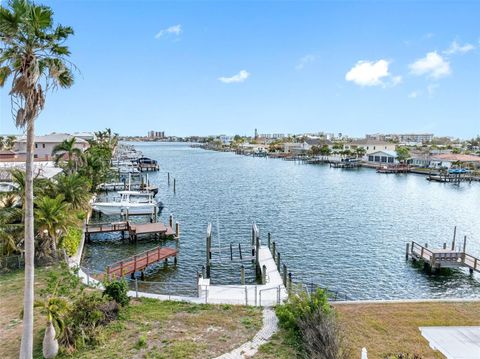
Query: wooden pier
point(345, 164)
point(140, 261)
point(455, 178)
point(394, 169)
point(443, 257)
point(134, 229)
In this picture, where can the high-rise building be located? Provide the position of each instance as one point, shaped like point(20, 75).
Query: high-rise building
point(156, 134)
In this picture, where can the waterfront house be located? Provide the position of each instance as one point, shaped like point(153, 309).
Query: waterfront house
point(447, 160)
point(382, 157)
point(295, 148)
point(369, 145)
point(44, 145)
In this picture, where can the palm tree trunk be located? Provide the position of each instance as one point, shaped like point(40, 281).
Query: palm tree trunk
point(27, 335)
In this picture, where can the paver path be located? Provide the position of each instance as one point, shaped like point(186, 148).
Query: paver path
point(249, 349)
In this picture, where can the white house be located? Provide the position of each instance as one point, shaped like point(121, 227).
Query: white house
point(382, 157)
point(370, 145)
point(44, 145)
point(296, 148)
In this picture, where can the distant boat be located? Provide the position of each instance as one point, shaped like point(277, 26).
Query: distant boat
point(8, 187)
point(131, 202)
point(456, 171)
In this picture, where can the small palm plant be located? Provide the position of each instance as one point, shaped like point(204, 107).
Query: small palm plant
point(55, 308)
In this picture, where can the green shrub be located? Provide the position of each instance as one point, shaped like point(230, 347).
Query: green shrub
point(301, 305)
point(88, 313)
point(141, 342)
point(71, 240)
point(117, 290)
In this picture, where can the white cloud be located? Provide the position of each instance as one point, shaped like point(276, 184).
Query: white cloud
point(305, 60)
point(414, 94)
point(173, 30)
point(240, 77)
point(456, 48)
point(433, 65)
point(370, 73)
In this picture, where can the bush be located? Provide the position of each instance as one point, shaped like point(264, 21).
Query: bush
point(71, 240)
point(300, 305)
point(89, 312)
point(322, 337)
point(117, 290)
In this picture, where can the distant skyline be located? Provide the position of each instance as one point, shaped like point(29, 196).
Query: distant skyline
point(203, 68)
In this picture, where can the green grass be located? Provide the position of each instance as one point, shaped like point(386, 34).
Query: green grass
point(148, 328)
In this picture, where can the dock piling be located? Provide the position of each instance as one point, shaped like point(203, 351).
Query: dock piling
point(285, 275)
point(174, 185)
point(269, 238)
point(168, 178)
point(454, 235)
point(407, 251)
point(278, 261)
point(273, 251)
point(177, 230)
point(242, 274)
point(264, 274)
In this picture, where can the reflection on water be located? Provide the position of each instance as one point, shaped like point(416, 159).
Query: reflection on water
point(345, 229)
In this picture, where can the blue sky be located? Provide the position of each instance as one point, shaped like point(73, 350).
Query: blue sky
point(286, 67)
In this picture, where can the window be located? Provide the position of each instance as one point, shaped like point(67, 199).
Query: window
point(370, 158)
point(390, 159)
point(43, 145)
point(377, 158)
point(384, 159)
point(36, 146)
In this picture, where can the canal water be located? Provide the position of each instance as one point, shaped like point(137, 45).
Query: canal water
point(342, 229)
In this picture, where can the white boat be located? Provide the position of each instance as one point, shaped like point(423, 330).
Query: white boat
point(8, 187)
point(129, 202)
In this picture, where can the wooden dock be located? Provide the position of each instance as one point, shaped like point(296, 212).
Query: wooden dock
point(140, 261)
point(443, 258)
point(133, 229)
point(394, 169)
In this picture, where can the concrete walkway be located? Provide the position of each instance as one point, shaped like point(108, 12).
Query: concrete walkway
point(454, 342)
point(250, 348)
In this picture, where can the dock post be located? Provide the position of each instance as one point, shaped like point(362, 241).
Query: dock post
point(174, 185)
point(242, 274)
point(426, 245)
point(464, 243)
point(168, 178)
point(269, 239)
point(278, 261)
point(285, 275)
point(177, 230)
point(257, 250)
point(175, 260)
point(231, 252)
point(454, 235)
point(264, 274)
point(204, 274)
point(170, 221)
point(274, 255)
point(240, 250)
point(289, 286)
point(407, 250)
point(444, 245)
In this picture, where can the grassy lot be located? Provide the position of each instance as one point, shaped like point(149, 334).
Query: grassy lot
point(147, 329)
point(393, 328)
point(386, 328)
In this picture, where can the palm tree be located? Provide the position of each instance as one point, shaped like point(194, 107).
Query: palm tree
point(75, 188)
point(32, 54)
point(74, 154)
point(52, 217)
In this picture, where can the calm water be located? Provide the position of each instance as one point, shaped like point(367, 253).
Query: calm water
point(345, 229)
